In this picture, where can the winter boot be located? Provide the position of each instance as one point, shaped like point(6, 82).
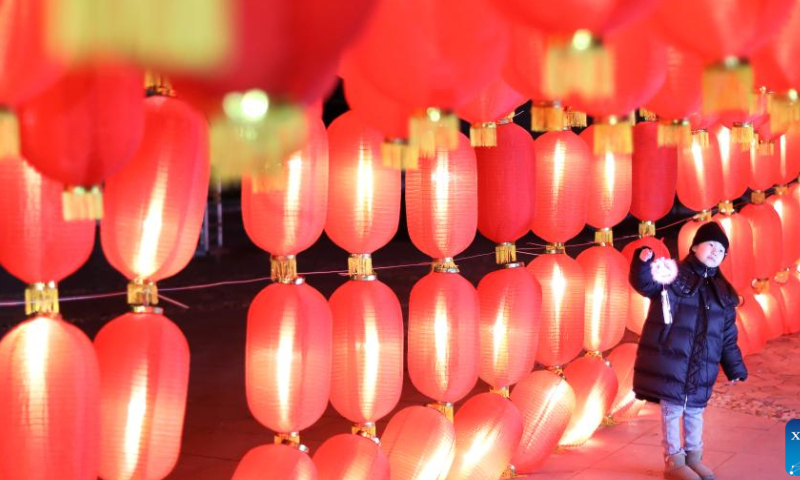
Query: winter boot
point(676, 468)
point(693, 462)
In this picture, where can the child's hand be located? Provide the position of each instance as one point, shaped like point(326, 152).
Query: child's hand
point(646, 255)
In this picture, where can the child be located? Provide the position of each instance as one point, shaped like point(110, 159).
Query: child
point(681, 347)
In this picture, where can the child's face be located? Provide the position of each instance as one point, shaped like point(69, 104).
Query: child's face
point(710, 253)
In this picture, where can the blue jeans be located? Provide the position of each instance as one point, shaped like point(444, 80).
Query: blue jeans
point(671, 416)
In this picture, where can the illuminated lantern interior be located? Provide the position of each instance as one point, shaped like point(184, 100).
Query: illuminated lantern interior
point(625, 405)
point(420, 443)
point(610, 177)
point(595, 386)
point(654, 172)
point(699, 184)
point(736, 163)
point(606, 278)
point(767, 238)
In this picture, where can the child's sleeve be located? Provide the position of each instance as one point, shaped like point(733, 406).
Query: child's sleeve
point(732, 363)
point(640, 277)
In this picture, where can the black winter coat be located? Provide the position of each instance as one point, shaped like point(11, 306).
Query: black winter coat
point(680, 362)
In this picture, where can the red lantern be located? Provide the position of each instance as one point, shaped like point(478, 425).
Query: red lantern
point(789, 212)
point(774, 312)
point(562, 327)
point(144, 378)
point(654, 244)
point(766, 164)
point(492, 104)
point(700, 174)
point(741, 340)
point(686, 235)
point(654, 172)
point(488, 429)
point(546, 402)
point(679, 96)
point(767, 238)
point(773, 63)
point(753, 320)
point(790, 155)
point(441, 201)
point(739, 265)
point(367, 368)
point(50, 406)
point(606, 275)
point(281, 461)
point(364, 195)
point(506, 179)
point(525, 64)
point(510, 310)
point(375, 107)
point(790, 293)
point(284, 211)
point(736, 173)
point(351, 457)
point(562, 160)
point(638, 308)
point(622, 360)
point(609, 186)
point(443, 336)
point(595, 386)
point(420, 444)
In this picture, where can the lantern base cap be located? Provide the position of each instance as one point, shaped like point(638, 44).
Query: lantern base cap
point(483, 134)
point(580, 64)
point(399, 155)
point(446, 409)
point(432, 130)
point(79, 203)
point(41, 299)
point(9, 134)
point(548, 117)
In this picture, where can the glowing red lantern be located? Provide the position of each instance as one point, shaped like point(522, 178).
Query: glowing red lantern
point(282, 461)
point(654, 174)
point(367, 368)
point(772, 63)
point(687, 232)
point(443, 336)
point(790, 292)
point(772, 304)
point(595, 386)
point(790, 155)
point(741, 340)
point(546, 402)
point(562, 326)
point(492, 104)
point(699, 184)
point(654, 244)
point(621, 360)
point(284, 211)
point(765, 167)
point(638, 308)
point(441, 201)
point(605, 274)
point(375, 107)
point(739, 265)
point(351, 457)
point(488, 429)
point(144, 378)
point(736, 173)
point(562, 160)
point(767, 238)
point(420, 443)
point(789, 212)
point(510, 310)
point(753, 320)
point(51, 402)
point(609, 186)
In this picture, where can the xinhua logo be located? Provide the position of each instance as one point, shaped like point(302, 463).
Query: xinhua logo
point(793, 448)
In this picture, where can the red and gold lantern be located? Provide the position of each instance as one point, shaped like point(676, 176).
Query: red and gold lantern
point(772, 304)
point(351, 457)
point(788, 210)
point(420, 443)
point(736, 163)
point(739, 265)
point(609, 185)
point(752, 317)
point(790, 155)
point(282, 461)
point(766, 164)
point(625, 406)
point(688, 231)
point(606, 306)
point(699, 184)
point(595, 386)
point(483, 112)
point(655, 174)
point(767, 237)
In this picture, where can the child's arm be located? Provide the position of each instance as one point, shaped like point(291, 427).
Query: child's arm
point(732, 363)
point(640, 276)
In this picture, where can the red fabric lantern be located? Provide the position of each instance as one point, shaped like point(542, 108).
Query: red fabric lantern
point(767, 238)
point(595, 386)
point(766, 164)
point(562, 160)
point(790, 293)
point(443, 336)
point(375, 107)
point(790, 156)
point(144, 378)
point(609, 186)
point(638, 308)
point(50, 406)
point(789, 212)
point(606, 275)
point(773, 62)
point(753, 320)
point(655, 174)
point(158, 199)
point(562, 327)
point(288, 357)
point(700, 174)
point(654, 244)
point(420, 443)
point(739, 265)
point(441, 201)
point(702, 121)
point(681, 93)
point(488, 429)
point(493, 103)
point(36, 244)
point(367, 368)
point(774, 309)
point(510, 309)
point(524, 67)
point(506, 179)
point(351, 457)
point(284, 211)
point(281, 461)
point(364, 195)
point(546, 402)
point(736, 173)
point(622, 359)
point(686, 236)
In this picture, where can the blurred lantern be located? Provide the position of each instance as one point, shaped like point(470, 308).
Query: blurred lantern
point(562, 325)
point(639, 306)
point(510, 315)
point(736, 164)
point(654, 172)
point(506, 179)
point(420, 444)
point(84, 129)
point(765, 166)
point(739, 264)
point(351, 457)
point(443, 344)
point(441, 201)
point(774, 308)
point(767, 236)
point(645, 240)
point(488, 429)
point(281, 461)
point(625, 406)
point(433, 60)
point(605, 274)
point(546, 402)
point(609, 185)
point(790, 155)
point(288, 358)
point(50, 407)
point(493, 103)
point(687, 232)
point(789, 287)
point(144, 378)
point(595, 386)
point(699, 184)
point(753, 320)
point(789, 212)
point(562, 160)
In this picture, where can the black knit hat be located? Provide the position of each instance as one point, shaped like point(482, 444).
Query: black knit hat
point(710, 231)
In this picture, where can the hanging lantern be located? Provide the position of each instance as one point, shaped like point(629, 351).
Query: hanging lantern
point(488, 429)
point(753, 320)
point(288, 357)
point(687, 232)
point(741, 340)
point(736, 173)
point(562, 325)
point(441, 201)
point(789, 288)
point(767, 236)
point(595, 386)
point(699, 184)
point(420, 444)
point(50, 406)
point(510, 311)
point(772, 304)
point(546, 402)
point(609, 185)
point(765, 167)
point(638, 308)
point(483, 112)
point(281, 461)
point(506, 179)
point(351, 457)
point(790, 155)
point(739, 264)
point(625, 406)
point(651, 242)
point(606, 307)
point(443, 337)
point(789, 212)
point(84, 129)
point(562, 159)
point(655, 174)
